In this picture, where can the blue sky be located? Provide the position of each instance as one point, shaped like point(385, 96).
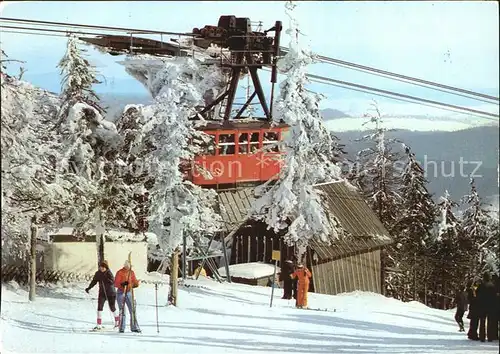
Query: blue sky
point(454, 43)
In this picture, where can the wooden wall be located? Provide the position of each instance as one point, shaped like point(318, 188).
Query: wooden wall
point(256, 244)
point(358, 272)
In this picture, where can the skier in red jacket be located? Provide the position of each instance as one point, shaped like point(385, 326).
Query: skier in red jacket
point(124, 281)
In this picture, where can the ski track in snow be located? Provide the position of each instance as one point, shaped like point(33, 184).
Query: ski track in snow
point(229, 318)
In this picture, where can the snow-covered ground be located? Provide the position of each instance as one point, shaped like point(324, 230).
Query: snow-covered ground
point(229, 318)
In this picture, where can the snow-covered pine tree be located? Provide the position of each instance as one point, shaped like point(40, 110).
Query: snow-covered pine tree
point(375, 171)
point(413, 228)
point(78, 77)
point(29, 148)
point(3, 61)
point(308, 157)
point(338, 153)
point(176, 206)
point(449, 253)
point(491, 250)
point(376, 174)
point(475, 225)
point(137, 173)
point(92, 148)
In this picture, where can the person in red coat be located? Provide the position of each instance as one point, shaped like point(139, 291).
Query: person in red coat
point(302, 274)
point(124, 281)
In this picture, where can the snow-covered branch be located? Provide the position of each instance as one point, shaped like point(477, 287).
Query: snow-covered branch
point(177, 206)
point(292, 201)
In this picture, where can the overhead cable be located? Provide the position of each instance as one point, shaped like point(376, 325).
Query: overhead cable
point(403, 78)
point(317, 78)
point(400, 97)
point(322, 58)
point(106, 28)
point(421, 85)
point(322, 78)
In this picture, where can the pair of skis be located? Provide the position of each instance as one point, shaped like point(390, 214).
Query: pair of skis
point(104, 329)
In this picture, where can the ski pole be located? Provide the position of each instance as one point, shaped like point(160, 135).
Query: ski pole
point(92, 302)
point(122, 310)
point(156, 300)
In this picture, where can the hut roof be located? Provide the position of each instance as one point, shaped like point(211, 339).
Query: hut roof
point(234, 206)
point(364, 231)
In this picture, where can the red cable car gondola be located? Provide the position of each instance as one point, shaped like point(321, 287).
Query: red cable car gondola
point(240, 152)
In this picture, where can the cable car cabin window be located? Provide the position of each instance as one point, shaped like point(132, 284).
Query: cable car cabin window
point(226, 144)
point(254, 142)
point(243, 143)
point(271, 141)
point(208, 148)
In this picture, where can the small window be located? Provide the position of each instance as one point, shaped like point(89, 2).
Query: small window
point(226, 144)
point(254, 137)
point(270, 137)
point(271, 141)
point(243, 143)
point(243, 149)
point(243, 138)
point(254, 142)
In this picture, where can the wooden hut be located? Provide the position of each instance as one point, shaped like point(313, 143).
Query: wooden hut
point(353, 262)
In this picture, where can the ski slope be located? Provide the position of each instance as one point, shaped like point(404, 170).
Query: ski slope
point(228, 318)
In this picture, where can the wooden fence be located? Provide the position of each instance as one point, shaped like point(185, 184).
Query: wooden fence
point(20, 275)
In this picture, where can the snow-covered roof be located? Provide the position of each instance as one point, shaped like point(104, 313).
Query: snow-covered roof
point(341, 200)
point(253, 270)
point(365, 231)
point(234, 207)
point(111, 234)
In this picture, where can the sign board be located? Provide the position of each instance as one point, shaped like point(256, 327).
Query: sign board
point(276, 255)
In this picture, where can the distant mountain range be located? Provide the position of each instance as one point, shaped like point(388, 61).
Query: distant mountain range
point(330, 113)
point(449, 158)
point(450, 150)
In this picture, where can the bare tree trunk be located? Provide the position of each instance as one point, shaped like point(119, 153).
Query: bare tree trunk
point(184, 257)
point(174, 273)
point(383, 255)
point(34, 229)
point(100, 248)
point(425, 283)
point(444, 289)
point(99, 238)
point(415, 278)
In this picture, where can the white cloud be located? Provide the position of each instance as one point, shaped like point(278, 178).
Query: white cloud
point(4, 4)
point(404, 122)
